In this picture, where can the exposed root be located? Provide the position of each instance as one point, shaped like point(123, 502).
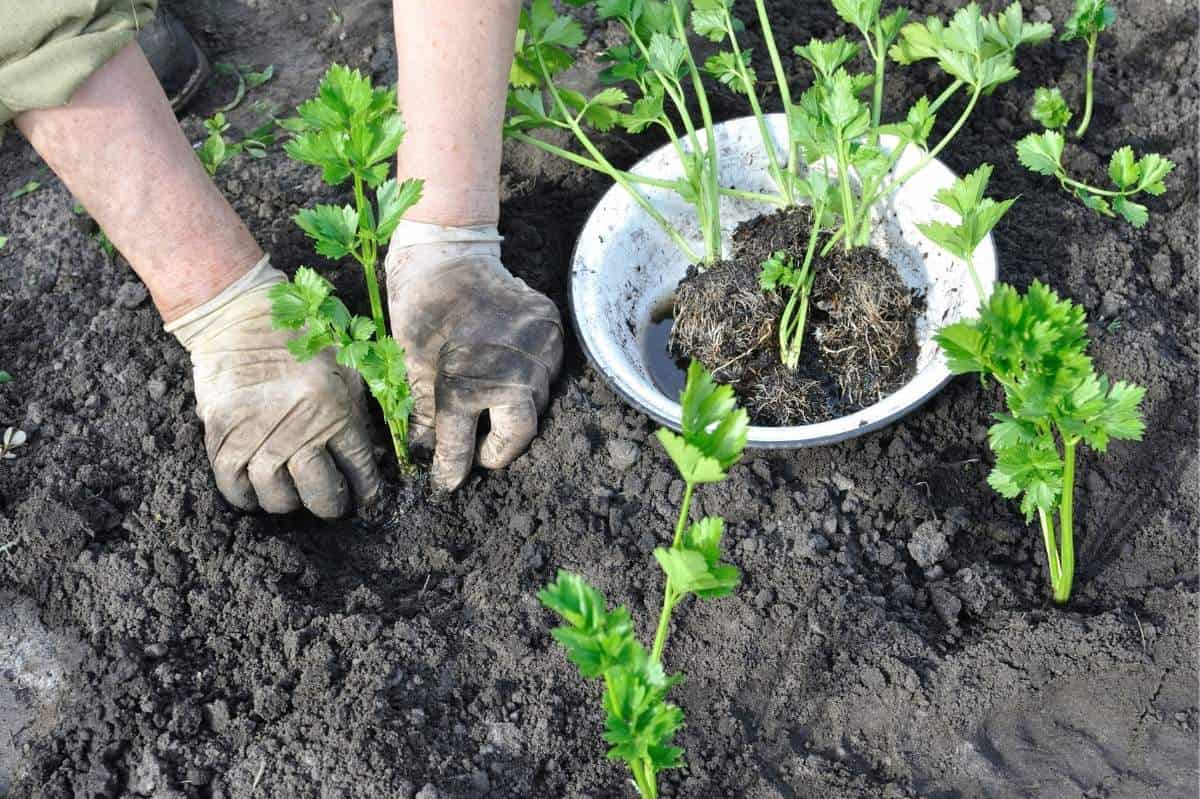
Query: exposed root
point(861, 341)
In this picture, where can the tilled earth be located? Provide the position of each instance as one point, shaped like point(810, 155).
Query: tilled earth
point(892, 638)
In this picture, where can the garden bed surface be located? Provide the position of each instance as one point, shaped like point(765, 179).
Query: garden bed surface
point(893, 636)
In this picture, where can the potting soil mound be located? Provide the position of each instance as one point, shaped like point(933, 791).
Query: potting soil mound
point(860, 336)
point(892, 636)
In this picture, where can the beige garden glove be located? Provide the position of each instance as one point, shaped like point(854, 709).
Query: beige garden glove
point(477, 339)
point(279, 433)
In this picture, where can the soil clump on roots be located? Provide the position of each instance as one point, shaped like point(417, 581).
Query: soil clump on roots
point(860, 344)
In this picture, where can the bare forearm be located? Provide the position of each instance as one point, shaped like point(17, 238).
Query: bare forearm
point(119, 149)
point(453, 59)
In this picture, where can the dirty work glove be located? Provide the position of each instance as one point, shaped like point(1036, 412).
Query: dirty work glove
point(279, 433)
point(477, 339)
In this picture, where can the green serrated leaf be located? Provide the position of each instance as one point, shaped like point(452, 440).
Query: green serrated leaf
point(1041, 152)
point(333, 229)
point(1133, 213)
point(1123, 168)
point(714, 429)
point(732, 72)
point(827, 57)
point(393, 200)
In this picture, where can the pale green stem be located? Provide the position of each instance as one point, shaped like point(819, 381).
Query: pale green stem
point(781, 78)
point(1051, 549)
point(1087, 97)
point(848, 212)
point(784, 185)
point(1063, 178)
point(877, 94)
point(669, 595)
point(975, 278)
point(1062, 591)
point(613, 172)
point(755, 196)
point(931, 154)
point(945, 95)
point(369, 257)
point(712, 236)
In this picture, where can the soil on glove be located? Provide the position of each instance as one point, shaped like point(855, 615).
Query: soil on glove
point(892, 637)
point(860, 342)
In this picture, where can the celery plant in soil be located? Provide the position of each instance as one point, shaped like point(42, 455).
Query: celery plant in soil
point(351, 130)
point(1035, 347)
point(1043, 152)
point(641, 723)
point(834, 126)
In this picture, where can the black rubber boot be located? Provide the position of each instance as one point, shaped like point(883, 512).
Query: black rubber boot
point(177, 61)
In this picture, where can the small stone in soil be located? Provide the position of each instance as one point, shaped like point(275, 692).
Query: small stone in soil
point(131, 294)
point(929, 543)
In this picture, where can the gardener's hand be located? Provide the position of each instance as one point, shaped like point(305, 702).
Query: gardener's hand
point(279, 433)
point(477, 339)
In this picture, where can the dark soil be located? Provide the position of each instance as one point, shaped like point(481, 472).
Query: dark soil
point(860, 342)
point(892, 638)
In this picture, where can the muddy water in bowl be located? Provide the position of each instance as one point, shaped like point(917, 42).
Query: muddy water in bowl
point(624, 267)
point(667, 372)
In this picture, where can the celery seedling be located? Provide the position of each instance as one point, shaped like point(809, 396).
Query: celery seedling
point(215, 152)
point(641, 722)
point(1089, 18)
point(781, 272)
point(351, 130)
point(1130, 175)
point(1035, 346)
point(977, 216)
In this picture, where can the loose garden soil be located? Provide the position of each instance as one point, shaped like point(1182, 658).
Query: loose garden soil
point(892, 638)
point(860, 342)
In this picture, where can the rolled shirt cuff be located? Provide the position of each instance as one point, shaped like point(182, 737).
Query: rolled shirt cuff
point(50, 47)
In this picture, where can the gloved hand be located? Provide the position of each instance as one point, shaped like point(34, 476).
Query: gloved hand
point(477, 339)
point(279, 433)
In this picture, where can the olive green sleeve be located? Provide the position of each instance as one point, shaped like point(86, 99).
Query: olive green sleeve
point(48, 48)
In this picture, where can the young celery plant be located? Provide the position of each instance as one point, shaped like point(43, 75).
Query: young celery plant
point(1042, 153)
point(978, 51)
point(1088, 19)
point(781, 272)
point(977, 216)
point(832, 124)
point(1035, 346)
point(351, 130)
point(641, 723)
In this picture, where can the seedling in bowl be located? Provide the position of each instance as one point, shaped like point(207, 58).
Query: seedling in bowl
point(351, 130)
point(1035, 347)
point(641, 723)
point(834, 127)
